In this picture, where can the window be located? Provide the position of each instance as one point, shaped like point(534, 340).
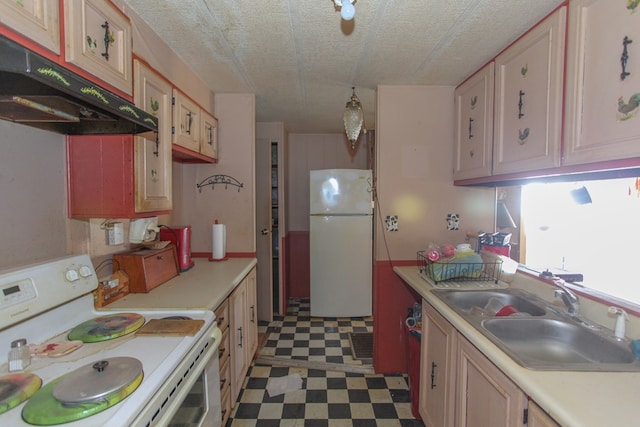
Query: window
point(599, 238)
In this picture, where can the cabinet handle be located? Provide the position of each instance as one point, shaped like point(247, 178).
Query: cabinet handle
point(224, 411)
point(221, 351)
point(240, 340)
point(220, 320)
point(433, 374)
point(210, 135)
point(222, 381)
point(470, 132)
point(159, 257)
point(107, 40)
point(625, 57)
point(189, 121)
point(157, 141)
point(520, 105)
point(253, 314)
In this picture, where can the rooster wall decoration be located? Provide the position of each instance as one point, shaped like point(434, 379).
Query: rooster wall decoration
point(628, 110)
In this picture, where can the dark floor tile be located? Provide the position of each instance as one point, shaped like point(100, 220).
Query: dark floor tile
point(247, 411)
point(316, 423)
point(332, 343)
point(293, 411)
point(316, 336)
point(317, 351)
point(339, 410)
point(385, 410)
point(267, 423)
point(335, 359)
point(279, 371)
point(359, 396)
point(315, 373)
point(363, 423)
point(400, 396)
point(284, 351)
point(316, 396)
point(411, 423)
point(376, 382)
point(336, 383)
point(256, 383)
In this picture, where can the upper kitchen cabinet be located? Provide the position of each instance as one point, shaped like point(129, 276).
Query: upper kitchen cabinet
point(37, 20)
point(152, 156)
point(98, 40)
point(528, 104)
point(603, 81)
point(474, 125)
point(209, 135)
point(195, 137)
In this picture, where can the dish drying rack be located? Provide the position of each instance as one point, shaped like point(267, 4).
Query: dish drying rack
point(452, 274)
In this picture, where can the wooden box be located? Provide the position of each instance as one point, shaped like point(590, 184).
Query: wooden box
point(148, 268)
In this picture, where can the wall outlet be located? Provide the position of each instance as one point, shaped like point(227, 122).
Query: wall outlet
point(115, 234)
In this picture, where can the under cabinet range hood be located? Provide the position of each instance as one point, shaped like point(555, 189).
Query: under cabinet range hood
point(38, 92)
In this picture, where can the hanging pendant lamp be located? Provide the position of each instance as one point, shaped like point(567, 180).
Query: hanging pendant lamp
point(353, 119)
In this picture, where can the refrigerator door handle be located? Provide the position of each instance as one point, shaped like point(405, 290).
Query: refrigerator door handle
point(265, 231)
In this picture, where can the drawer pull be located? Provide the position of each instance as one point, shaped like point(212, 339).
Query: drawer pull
point(222, 382)
point(221, 351)
point(520, 105)
point(433, 374)
point(624, 59)
point(107, 40)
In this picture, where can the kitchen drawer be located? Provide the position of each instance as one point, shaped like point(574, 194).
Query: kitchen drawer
point(148, 268)
point(223, 350)
point(222, 315)
point(225, 403)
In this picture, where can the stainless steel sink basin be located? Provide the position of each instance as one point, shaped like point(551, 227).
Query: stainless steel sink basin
point(541, 343)
point(545, 339)
point(467, 301)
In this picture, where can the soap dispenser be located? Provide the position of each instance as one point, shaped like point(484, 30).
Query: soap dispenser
point(621, 318)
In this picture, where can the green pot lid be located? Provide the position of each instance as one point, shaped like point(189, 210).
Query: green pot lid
point(44, 409)
point(106, 327)
point(16, 388)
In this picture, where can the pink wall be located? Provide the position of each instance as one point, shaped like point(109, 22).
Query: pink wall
point(231, 206)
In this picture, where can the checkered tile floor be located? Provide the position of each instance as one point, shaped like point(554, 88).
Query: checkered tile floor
point(327, 398)
point(299, 336)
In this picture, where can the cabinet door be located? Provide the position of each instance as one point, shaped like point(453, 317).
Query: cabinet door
point(602, 120)
point(186, 122)
point(98, 40)
point(538, 418)
point(528, 111)
point(485, 396)
point(437, 369)
point(237, 337)
point(153, 155)
point(474, 125)
point(209, 135)
point(34, 19)
point(252, 317)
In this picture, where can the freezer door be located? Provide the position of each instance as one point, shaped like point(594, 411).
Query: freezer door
point(341, 266)
point(340, 192)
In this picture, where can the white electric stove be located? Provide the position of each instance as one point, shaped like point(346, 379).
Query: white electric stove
point(43, 302)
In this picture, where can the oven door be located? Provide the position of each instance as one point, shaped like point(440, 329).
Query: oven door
point(201, 406)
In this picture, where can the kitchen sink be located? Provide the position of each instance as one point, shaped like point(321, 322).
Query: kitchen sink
point(554, 344)
point(470, 301)
point(541, 336)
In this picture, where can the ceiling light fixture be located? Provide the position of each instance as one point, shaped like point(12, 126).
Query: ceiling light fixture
point(347, 10)
point(353, 119)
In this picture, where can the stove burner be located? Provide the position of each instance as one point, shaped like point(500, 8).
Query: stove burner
point(106, 327)
point(177, 318)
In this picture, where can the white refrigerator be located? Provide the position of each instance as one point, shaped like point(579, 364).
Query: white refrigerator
point(341, 242)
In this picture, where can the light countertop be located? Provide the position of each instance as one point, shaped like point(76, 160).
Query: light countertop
point(203, 287)
point(573, 399)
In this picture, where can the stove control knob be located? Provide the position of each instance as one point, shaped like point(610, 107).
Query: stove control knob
point(85, 271)
point(71, 275)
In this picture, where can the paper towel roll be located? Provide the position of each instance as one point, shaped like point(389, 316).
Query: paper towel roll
point(219, 240)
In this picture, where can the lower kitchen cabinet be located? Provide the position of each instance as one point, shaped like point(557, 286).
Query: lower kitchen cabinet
point(437, 382)
point(485, 396)
point(538, 418)
point(243, 331)
point(222, 317)
point(460, 386)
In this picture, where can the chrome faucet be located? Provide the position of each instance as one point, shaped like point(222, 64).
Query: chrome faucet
point(569, 299)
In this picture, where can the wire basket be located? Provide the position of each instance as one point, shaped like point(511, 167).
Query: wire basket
point(442, 271)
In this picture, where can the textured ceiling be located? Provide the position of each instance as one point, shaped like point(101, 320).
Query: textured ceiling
point(300, 59)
